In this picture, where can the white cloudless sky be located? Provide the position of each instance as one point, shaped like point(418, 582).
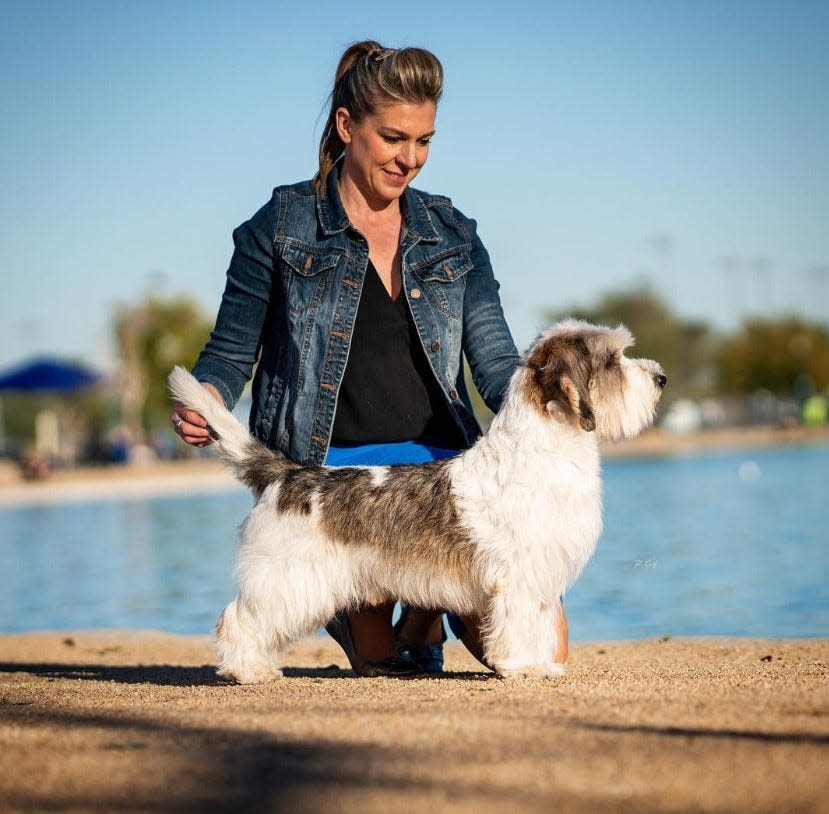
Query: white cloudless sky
point(598, 144)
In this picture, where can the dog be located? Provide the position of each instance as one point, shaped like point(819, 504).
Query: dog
point(500, 531)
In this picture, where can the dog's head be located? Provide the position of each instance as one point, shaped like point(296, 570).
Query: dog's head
point(578, 373)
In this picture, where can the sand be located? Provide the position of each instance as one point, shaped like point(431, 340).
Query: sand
point(138, 722)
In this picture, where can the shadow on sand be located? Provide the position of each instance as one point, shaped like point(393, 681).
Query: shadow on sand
point(164, 675)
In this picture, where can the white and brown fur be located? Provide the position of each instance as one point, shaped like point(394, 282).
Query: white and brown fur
point(499, 531)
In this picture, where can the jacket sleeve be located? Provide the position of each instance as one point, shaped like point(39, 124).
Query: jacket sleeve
point(487, 341)
point(229, 356)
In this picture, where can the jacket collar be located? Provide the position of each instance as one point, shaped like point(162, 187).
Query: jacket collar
point(333, 219)
point(330, 210)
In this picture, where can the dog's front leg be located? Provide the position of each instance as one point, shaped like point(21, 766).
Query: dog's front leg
point(242, 653)
point(519, 635)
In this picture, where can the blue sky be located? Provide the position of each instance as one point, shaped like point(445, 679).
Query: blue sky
point(597, 144)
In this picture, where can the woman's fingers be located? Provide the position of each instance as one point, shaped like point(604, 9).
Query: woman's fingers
point(190, 425)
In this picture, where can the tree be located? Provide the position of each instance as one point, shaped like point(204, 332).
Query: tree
point(152, 337)
point(787, 356)
point(685, 349)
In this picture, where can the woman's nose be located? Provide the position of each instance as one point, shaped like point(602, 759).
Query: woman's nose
point(408, 156)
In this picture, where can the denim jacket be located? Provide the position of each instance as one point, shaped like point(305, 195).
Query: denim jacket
point(292, 291)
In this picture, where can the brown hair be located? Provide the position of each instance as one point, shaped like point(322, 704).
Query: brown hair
point(367, 75)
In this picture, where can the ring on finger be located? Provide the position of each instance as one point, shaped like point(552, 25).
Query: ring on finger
point(177, 423)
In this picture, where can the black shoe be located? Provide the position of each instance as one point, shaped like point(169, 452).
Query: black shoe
point(429, 657)
point(392, 667)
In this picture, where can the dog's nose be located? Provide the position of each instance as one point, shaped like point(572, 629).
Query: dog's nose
point(661, 380)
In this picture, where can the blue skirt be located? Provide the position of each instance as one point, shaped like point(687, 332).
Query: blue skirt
point(402, 452)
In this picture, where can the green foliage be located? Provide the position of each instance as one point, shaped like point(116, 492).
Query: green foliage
point(685, 349)
point(152, 337)
point(19, 411)
point(785, 356)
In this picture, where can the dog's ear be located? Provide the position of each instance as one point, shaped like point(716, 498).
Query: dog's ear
point(561, 374)
point(579, 403)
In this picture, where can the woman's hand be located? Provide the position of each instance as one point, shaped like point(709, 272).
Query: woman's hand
point(190, 425)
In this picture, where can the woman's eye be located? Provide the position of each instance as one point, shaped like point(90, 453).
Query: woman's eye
point(423, 142)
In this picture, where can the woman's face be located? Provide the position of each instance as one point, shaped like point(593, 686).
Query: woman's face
point(386, 150)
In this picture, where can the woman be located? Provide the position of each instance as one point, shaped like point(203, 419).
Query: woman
point(358, 295)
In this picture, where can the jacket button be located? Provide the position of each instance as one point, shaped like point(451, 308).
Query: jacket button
point(453, 394)
point(435, 346)
point(415, 293)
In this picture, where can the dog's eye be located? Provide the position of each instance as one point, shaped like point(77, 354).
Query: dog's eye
point(611, 360)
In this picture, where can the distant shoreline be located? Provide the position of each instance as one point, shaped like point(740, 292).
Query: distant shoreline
point(117, 482)
point(658, 442)
point(207, 475)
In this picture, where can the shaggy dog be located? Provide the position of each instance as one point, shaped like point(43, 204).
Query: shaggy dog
point(499, 532)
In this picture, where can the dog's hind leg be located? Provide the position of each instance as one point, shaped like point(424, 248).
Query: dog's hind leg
point(519, 636)
point(242, 649)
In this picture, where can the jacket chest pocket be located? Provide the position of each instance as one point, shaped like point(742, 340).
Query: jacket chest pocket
point(306, 275)
point(445, 281)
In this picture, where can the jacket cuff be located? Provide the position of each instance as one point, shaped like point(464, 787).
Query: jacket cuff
point(225, 378)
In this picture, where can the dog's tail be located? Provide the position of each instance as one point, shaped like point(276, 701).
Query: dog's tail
point(254, 464)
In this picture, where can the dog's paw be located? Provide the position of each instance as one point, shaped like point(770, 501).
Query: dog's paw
point(548, 670)
point(250, 676)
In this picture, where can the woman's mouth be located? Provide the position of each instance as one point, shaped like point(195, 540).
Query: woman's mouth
point(396, 177)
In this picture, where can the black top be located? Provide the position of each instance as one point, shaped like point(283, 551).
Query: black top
point(389, 392)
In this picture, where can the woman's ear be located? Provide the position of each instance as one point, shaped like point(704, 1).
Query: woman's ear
point(343, 122)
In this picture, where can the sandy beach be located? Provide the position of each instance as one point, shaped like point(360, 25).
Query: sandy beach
point(116, 721)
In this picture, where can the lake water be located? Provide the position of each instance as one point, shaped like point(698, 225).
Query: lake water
point(728, 543)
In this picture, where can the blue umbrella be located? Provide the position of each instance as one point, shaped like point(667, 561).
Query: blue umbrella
point(44, 375)
point(48, 374)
